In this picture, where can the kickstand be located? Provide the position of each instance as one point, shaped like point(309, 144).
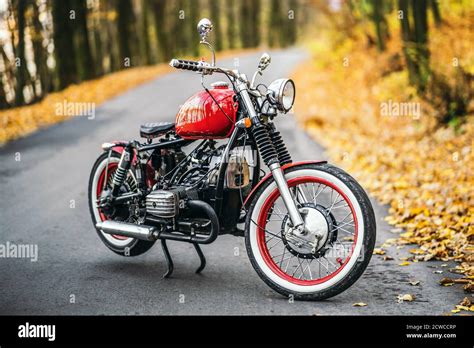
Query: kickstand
point(169, 260)
point(201, 258)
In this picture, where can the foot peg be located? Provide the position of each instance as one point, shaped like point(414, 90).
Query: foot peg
point(169, 260)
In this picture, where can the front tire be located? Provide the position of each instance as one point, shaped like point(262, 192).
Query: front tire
point(120, 245)
point(343, 210)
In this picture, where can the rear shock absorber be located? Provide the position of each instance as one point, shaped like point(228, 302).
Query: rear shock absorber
point(283, 155)
point(264, 144)
point(122, 169)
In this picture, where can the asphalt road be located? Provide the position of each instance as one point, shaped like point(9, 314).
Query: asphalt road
point(44, 202)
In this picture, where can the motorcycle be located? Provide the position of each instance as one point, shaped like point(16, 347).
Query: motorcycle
point(309, 227)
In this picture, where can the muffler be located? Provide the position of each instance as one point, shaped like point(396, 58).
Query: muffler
point(125, 229)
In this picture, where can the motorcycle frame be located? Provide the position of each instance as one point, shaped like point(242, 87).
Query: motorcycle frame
point(141, 168)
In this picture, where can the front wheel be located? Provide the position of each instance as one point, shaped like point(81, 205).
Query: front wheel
point(336, 245)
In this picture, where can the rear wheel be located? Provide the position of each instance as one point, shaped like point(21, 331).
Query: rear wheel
point(335, 247)
point(101, 177)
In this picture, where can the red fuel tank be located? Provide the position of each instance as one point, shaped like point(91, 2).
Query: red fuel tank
point(201, 118)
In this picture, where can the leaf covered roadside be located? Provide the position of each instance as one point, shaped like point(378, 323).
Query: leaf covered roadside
point(424, 171)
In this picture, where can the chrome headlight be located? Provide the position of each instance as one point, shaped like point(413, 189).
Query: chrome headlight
point(282, 94)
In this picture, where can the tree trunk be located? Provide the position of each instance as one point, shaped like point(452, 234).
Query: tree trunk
point(63, 44)
point(146, 46)
point(192, 27)
point(420, 14)
point(231, 32)
point(20, 61)
point(216, 23)
point(40, 54)
point(126, 33)
point(378, 19)
point(255, 23)
point(245, 26)
point(83, 48)
point(160, 10)
point(292, 21)
point(274, 31)
point(436, 14)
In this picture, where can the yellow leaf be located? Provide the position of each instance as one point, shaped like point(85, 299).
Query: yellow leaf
point(406, 298)
point(359, 304)
point(379, 251)
point(404, 263)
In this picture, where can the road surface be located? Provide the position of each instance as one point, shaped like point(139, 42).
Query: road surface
point(44, 202)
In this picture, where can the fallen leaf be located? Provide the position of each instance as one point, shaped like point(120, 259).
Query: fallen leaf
point(414, 282)
point(379, 251)
point(404, 263)
point(465, 302)
point(446, 281)
point(387, 258)
point(359, 304)
point(455, 311)
point(469, 288)
point(405, 298)
point(463, 308)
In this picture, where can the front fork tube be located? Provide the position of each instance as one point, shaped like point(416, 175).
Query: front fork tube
point(285, 193)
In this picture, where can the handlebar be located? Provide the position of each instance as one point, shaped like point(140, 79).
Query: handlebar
point(201, 66)
point(187, 64)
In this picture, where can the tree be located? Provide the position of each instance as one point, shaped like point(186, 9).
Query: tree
point(216, 20)
point(39, 51)
point(193, 21)
point(86, 65)
point(160, 8)
point(415, 41)
point(126, 32)
point(20, 60)
point(380, 22)
point(145, 35)
point(231, 24)
point(436, 13)
point(63, 45)
point(255, 23)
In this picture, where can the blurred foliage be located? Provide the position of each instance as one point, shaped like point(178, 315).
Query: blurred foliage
point(416, 163)
point(51, 45)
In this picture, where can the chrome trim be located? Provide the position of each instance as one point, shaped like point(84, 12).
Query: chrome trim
point(128, 230)
point(286, 195)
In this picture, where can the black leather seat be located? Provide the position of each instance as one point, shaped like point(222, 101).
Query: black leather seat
point(155, 129)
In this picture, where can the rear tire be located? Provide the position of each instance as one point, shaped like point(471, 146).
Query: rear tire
point(263, 211)
point(122, 246)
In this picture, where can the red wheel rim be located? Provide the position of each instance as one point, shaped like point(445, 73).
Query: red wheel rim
point(100, 186)
point(261, 232)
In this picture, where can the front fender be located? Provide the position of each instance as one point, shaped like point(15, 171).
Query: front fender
point(267, 177)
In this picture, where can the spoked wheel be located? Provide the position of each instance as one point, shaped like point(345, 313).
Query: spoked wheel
point(335, 246)
point(100, 179)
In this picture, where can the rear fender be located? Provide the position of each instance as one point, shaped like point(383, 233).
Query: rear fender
point(267, 177)
point(120, 145)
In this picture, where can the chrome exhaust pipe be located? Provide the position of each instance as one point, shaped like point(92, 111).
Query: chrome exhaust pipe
point(125, 229)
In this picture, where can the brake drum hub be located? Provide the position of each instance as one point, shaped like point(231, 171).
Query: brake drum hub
point(319, 230)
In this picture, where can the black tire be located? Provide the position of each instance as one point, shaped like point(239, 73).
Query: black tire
point(135, 246)
point(368, 241)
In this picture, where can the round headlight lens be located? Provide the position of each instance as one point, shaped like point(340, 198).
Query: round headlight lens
point(283, 92)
